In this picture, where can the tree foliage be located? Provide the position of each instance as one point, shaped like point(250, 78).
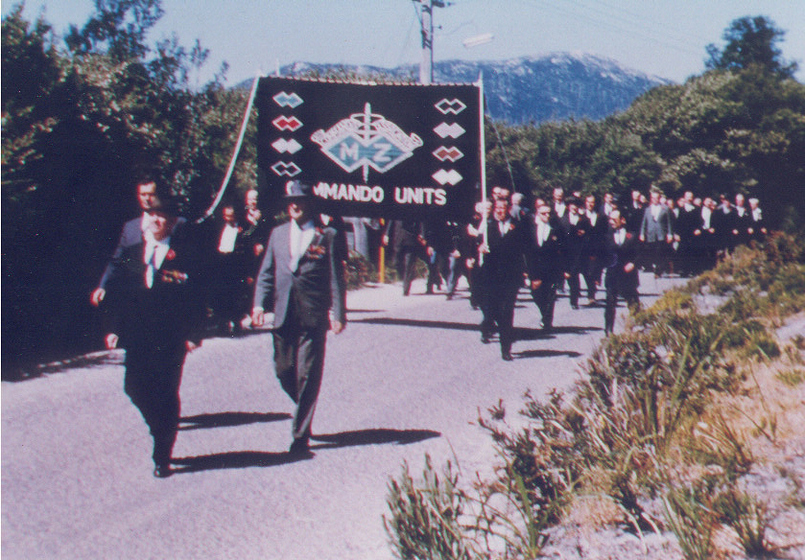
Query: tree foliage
point(738, 129)
point(80, 123)
point(751, 41)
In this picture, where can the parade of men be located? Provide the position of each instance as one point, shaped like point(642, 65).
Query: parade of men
point(418, 279)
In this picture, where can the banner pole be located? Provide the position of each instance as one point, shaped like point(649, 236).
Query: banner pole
point(236, 152)
point(480, 84)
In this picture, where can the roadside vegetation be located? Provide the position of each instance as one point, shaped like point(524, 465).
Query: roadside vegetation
point(683, 426)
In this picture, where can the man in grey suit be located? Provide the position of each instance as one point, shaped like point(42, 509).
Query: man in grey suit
point(300, 281)
point(656, 233)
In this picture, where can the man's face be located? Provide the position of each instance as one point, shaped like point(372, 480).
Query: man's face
point(298, 210)
point(615, 219)
point(607, 198)
point(739, 200)
point(544, 213)
point(229, 215)
point(501, 210)
point(558, 195)
point(251, 199)
point(161, 225)
point(147, 196)
point(589, 202)
point(655, 197)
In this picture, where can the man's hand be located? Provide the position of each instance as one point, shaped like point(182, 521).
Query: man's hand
point(111, 340)
point(97, 296)
point(190, 345)
point(535, 284)
point(338, 327)
point(628, 267)
point(258, 317)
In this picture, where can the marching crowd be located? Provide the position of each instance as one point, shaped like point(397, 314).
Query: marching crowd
point(566, 240)
point(168, 276)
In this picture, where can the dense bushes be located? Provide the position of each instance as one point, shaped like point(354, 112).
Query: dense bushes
point(644, 429)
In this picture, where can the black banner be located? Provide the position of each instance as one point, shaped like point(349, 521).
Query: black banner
point(393, 151)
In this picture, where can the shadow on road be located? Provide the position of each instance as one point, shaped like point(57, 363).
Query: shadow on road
point(419, 323)
point(373, 437)
point(545, 354)
point(221, 419)
point(235, 460)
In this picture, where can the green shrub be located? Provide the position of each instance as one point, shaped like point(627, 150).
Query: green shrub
point(424, 523)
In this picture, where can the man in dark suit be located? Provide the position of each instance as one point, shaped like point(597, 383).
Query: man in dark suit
point(300, 281)
point(621, 276)
point(545, 263)
point(574, 230)
point(593, 248)
point(407, 237)
point(228, 273)
point(156, 313)
point(148, 196)
point(502, 274)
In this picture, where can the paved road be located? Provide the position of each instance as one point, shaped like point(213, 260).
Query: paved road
point(406, 378)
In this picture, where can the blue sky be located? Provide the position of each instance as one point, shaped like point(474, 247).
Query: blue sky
point(665, 38)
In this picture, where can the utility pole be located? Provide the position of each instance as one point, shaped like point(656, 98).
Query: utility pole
point(426, 22)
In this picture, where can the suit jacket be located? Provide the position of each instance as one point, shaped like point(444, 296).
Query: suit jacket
point(131, 234)
point(170, 312)
point(618, 256)
point(545, 263)
point(303, 297)
point(658, 229)
point(503, 264)
point(574, 241)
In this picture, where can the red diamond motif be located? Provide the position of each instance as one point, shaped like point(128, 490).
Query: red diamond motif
point(287, 123)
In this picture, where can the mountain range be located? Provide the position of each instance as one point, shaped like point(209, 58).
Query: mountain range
point(528, 89)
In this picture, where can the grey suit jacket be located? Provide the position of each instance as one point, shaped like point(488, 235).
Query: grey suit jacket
point(656, 230)
point(304, 297)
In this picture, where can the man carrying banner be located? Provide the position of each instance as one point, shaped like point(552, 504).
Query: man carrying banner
point(300, 281)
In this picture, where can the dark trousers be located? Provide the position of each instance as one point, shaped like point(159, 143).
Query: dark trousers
point(657, 256)
point(498, 310)
point(405, 263)
point(152, 379)
point(592, 276)
point(618, 287)
point(299, 364)
point(545, 298)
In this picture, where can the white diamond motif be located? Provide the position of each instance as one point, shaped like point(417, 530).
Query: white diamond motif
point(287, 146)
point(452, 130)
point(443, 176)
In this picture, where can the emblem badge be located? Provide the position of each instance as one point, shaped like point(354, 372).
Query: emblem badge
point(366, 140)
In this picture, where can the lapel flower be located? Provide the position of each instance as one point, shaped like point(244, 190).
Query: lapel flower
point(170, 255)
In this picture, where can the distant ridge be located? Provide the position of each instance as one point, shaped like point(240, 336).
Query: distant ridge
point(554, 87)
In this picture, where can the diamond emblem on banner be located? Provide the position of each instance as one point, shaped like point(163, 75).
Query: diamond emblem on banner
point(287, 146)
point(288, 100)
point(284, 168)
point(447, 106)
point(452, 130)
point(287, 123)
point(366, 140)
point(443, 176)
point(443, 153)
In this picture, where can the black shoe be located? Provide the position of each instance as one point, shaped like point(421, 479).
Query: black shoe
point(574, 305)
point(506, 355)
point(162, 471)
point(485, 338)
point(300, 448)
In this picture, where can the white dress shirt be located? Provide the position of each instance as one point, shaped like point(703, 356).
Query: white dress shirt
point(301, 236)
